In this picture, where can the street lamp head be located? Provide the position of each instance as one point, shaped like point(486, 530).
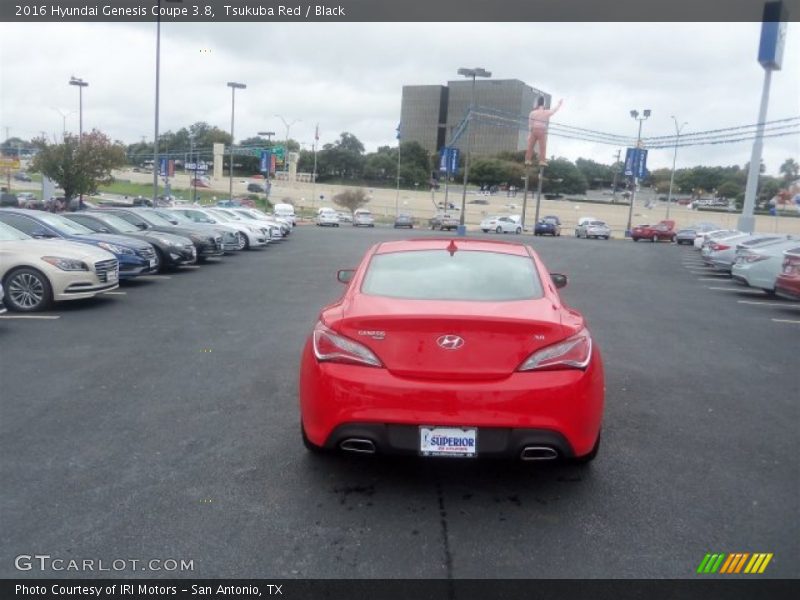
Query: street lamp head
point(635, 114)
point(235, 85)
point(646, 113)
point(77, 81)
point(476, 72)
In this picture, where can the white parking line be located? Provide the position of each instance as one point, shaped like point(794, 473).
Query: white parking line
point(736, 289)
point(781, 304)
point(41, 317)
point(785, 321)
point(717, 278)
point(190, 266)
point(154, 277)
point(115, 293)
point(717, 275)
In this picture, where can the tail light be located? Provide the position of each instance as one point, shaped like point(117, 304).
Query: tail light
point(332, 347)
point(716, 247)
point(791, 263)
point(750, 257)
point(573, 353)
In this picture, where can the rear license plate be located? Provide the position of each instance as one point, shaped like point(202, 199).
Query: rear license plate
point(448, 441)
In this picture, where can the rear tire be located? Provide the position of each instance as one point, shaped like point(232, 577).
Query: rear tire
point(519, 230)
point(499, 229)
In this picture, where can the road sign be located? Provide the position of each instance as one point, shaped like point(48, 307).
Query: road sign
point(448, 160)
point(636, 163)
point(9, 163)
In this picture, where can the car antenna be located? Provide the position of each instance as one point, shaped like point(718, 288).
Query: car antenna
point(451, 248)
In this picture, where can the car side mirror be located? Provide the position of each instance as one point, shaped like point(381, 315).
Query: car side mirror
point(41, 233)
point(345, 275)
point(142, 226)
point(103, 230)
point(559, 280)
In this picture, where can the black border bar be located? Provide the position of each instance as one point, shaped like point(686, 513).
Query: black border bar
point(255, 11)
point(705, 587)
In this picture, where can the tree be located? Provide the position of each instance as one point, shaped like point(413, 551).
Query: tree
point(563, 177)
point(79, 166)
point(597, 175)
point(351, 199)
point(790, 172)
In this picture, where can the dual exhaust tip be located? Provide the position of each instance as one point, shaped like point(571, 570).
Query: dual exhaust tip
point(365, 446)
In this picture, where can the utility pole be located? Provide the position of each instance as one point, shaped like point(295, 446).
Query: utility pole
point(674, 158)
point(614, 185)
point(645, 116)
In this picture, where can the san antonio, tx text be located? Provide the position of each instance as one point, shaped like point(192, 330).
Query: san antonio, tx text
point(239, 591)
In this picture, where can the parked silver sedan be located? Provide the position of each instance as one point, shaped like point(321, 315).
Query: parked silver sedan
point(760, 266)
point(722, 254)
point(594, 229)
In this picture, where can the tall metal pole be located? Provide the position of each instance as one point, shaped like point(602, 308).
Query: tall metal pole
point(635, 115)
point(462, 229)
point(397, 194)
point(614, 183)
point(539, 194)
point(230, 165)
point(525, 201)
point(747, 221)
point(156, 165)
point(674, 159)
point(80, 83)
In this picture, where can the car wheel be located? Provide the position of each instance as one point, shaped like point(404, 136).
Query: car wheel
point(309, 445)
point(336, 225)
point(519, 230)
point(673, 240)
point(411, 227)
point(161, 260)
point(499, 229)
point(635, 239)
point(485, 230)
point(240, 241)
point(27, 290)
point(587, 458)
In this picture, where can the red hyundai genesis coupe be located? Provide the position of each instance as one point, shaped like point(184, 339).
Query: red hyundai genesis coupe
point(452, 348)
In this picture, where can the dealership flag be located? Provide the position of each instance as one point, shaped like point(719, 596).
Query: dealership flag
point(316, 133)
point(398, 130)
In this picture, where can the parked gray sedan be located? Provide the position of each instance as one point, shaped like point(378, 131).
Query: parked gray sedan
point(594, 229)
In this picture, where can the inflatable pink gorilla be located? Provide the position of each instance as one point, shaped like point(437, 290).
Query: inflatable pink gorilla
point(538, 121)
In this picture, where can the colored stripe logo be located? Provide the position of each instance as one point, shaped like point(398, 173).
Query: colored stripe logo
point(734, 563)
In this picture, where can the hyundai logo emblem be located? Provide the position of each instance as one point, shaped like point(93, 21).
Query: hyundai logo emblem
point(450, 342)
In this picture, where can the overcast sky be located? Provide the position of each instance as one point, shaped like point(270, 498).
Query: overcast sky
point(349, 76)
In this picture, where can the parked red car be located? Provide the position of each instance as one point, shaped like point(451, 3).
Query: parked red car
point(664, 230)
point(443, 347)
point(787, 284)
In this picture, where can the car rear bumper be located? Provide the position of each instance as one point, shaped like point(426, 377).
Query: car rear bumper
point(336, 398)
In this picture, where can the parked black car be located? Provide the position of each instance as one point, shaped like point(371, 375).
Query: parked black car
point(22, 176)
point(172, 250)
point(256, 187)
point(206, 242)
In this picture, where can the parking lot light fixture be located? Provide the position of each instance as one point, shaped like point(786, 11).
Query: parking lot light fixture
point(80, 83)
point(678, 130)
point(469, 73)
point(288, 126)
point(234, 86)
point(635, 114)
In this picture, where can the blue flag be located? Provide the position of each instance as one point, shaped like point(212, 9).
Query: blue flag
point(398, 130)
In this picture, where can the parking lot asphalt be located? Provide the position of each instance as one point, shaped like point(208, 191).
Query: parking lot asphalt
point(162, 422)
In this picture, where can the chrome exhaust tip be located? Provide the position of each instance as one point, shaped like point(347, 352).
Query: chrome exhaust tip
point(358, 445)
point(538, 453)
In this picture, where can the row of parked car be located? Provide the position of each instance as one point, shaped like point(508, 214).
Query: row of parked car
point(769, 262)
point(46, 257)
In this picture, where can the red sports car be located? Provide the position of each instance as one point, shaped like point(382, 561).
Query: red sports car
point(664, 230)
point(452, 348)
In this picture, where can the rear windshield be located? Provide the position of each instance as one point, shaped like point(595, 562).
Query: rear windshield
point(464, 276)
point(598, 223)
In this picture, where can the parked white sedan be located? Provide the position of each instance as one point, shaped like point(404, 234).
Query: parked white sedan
point(501, 224)
point(37, 272)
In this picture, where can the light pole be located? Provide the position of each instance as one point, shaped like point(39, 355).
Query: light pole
point(286, 147)
point(269, 135)
point(80, 83)
point(678, 130)
point(645, 115)
point(234, 86)
point(64, 116)
point(473, 73)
